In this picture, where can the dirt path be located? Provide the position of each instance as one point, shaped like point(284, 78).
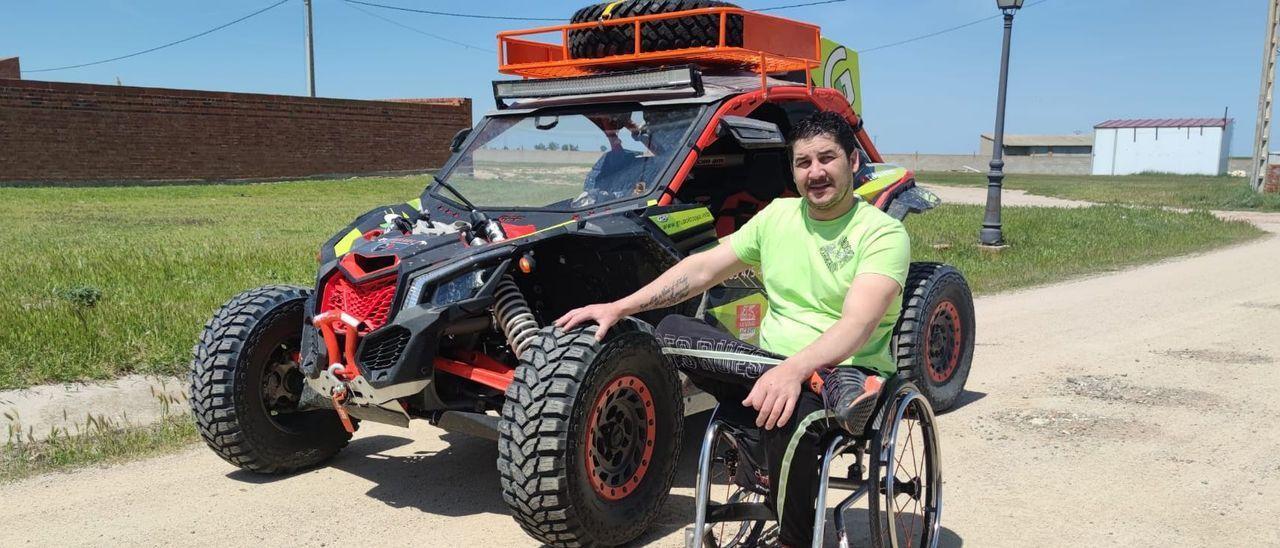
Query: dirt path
point(133, 400)
point(1008, 197)
point(1134, 409)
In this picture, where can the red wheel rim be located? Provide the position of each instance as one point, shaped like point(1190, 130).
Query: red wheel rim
point(943, 341)
point(621, 432)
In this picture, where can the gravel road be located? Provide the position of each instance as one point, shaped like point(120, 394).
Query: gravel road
point(1129, 409)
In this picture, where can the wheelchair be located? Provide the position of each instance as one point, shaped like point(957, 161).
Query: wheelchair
point(902, 476)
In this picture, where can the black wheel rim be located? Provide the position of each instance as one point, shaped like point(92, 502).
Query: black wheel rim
point(280, 384)
point(620, 438)
point(944, 338)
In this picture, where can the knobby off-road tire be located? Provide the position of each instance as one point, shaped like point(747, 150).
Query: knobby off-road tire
point(933, 341)
point(237, 361)
point(662, 35)
point(567, 483)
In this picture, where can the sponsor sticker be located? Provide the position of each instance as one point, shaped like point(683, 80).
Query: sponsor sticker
point(748, 317)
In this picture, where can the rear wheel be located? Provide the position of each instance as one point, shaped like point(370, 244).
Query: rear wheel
point(731, 481)
point(905, 501)
point(661, 35)
point(589, 437)
point(933, 341)
point(246, 385)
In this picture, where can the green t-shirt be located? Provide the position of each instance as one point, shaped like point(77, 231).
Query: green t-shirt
point(808, 266)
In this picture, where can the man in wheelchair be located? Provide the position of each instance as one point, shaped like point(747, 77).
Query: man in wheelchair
point(833, 268)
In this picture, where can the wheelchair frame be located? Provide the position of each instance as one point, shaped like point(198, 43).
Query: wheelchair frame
point(898, 398)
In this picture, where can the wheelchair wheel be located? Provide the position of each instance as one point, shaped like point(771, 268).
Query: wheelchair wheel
point(732, 480)
point(906, 475)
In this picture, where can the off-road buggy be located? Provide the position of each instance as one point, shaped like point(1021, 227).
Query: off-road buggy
point(640, 136)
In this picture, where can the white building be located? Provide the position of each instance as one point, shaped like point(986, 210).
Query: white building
point(1189, 146)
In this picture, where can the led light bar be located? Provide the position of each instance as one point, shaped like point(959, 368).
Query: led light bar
point(674, 78)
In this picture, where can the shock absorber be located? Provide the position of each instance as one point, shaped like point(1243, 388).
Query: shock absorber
point(514, 315)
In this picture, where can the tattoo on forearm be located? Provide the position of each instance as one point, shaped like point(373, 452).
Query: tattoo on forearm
point(674, 293)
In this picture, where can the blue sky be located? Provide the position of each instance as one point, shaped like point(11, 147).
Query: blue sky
point(1075, 62)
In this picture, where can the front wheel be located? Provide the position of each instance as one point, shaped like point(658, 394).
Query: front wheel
point(246, 385)
point(933, 341)
point(589, 437)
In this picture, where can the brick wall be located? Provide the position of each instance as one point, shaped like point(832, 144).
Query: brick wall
point(9, 68)
point(65, 132)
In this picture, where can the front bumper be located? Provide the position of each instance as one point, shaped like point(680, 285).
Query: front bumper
point(393, 362)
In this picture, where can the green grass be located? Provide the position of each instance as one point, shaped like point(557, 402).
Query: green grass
point(107, 281)
point(1052, 244)
point(100, 441)
point(1184, 191)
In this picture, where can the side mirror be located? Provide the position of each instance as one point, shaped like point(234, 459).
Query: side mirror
point(753, 134)
point(455, 145)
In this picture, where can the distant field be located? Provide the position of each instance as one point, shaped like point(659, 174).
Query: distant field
point(105, 281)
point(1186, 191)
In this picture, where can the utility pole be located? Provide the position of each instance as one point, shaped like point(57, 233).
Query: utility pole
point(311, 54)
point(1266, 98)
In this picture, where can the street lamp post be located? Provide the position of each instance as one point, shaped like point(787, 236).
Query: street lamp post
point(991, 234)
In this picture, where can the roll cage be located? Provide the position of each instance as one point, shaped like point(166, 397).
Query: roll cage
point(707, 168)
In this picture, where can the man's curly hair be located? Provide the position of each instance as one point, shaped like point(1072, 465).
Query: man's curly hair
point(829, 124)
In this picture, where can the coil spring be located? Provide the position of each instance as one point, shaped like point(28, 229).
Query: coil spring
point(514, 315)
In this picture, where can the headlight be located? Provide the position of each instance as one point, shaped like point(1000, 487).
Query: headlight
point(457, 289)
point(460, 287)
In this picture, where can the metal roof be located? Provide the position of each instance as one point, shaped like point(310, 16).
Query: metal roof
point(1165, 122)
point(1044, 140)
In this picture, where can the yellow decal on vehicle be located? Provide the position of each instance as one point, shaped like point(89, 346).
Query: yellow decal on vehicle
point(344, 245)
point(680, 221)
point(742, 317)
point(540, 231)
point(415, 203)
point(839, 70)
point(883, 177)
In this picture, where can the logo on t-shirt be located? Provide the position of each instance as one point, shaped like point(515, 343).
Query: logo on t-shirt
point(837, 254)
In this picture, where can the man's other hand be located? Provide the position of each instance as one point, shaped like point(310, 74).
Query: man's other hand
point(775, 394)
point(603, 314)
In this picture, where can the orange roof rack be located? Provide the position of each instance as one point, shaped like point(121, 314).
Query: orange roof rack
point(770, 45)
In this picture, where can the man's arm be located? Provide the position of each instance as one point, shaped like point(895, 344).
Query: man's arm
point(776, 392)
point(691, 276)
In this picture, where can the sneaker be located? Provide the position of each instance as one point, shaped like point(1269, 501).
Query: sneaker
point(850, 395)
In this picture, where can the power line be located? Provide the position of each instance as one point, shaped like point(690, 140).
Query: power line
point(419, 31)
point(557, 19)
point(157, 48)
point(452, 14)
point(943, 31)
point(801, 5)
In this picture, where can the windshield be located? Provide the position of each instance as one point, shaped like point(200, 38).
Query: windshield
point(569, 160)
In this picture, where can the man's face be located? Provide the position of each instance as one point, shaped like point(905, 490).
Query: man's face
point(822, 171)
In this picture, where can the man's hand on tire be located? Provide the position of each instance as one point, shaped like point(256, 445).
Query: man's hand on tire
point(603, 314)
point(775, 394)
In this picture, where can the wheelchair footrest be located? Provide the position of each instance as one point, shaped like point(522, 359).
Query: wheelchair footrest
point(739, 511)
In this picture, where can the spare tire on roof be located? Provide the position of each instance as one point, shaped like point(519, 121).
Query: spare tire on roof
point(662, 35)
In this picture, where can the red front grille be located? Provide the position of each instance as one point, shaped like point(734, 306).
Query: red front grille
point(369, 301)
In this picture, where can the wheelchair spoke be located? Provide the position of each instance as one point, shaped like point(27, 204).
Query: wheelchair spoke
point(911, 444)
